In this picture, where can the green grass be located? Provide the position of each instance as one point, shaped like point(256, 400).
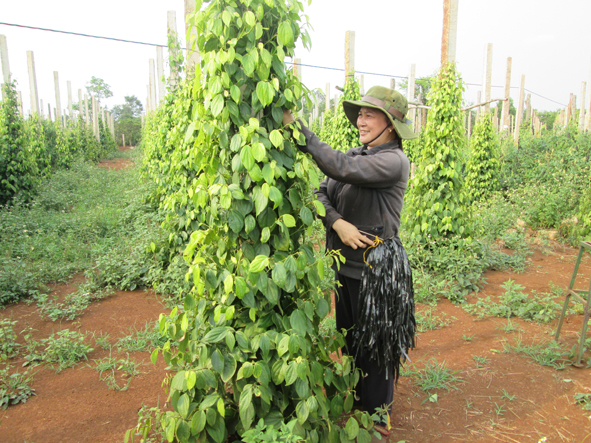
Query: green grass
point(435, 376)
point(62, 350)
point(428, 321)
point(111, 369)
point(141, 340)
point(14, 388)
point(544, 353)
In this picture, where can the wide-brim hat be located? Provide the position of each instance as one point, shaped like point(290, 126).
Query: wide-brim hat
point(390, 102)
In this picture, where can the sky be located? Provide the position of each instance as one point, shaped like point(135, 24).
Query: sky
point(548, 42)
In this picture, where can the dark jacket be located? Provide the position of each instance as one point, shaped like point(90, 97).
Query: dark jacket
point(365, 187)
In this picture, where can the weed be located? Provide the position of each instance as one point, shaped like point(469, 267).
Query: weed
point(539, 308)
point(8, 343)
point(480, 361)
point(102, 340)
point(14, 388)
point(469, 405)
point(468, 337)
point(141, 340)
point(74, 304)
point(426, 321)
point(65, 350)
point(499, 409)
point(111, 366)
point(263, 432)
point(436, 376)
point(508, 396)
point(509, 327)
point(584, 400)
point(546, 354)
point(328, 327)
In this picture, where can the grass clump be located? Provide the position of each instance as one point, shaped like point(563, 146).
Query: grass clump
point(145, 339)
point(62, 350)
point(435, 376)
point(546, 354)
point(14, 388)
point(427, 321)
point(111, 370)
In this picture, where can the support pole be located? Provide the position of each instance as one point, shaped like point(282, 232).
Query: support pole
point(349, 54)
point(20, 103)
point(487, 75)
point(519, 115)
point(410, 94)
point(172, 34)
point(70, 107)
point(450, 31)
point(582, 111)
point(160, 73)
point(361, 85)
point(152, 83)
point(5, 64)
point(86, 116)
point(58, 102)
point(392, 83)
point(80, 102)
point(41, 109)
point(507, 102)
point(297, 68)
point(193, 57)
point(327, 98)
point(33, 84)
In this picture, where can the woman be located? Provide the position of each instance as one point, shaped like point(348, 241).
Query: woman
point(363, 196)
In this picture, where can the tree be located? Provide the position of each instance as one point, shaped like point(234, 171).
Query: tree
point(422, 87)
point(98, 88)
point(128, 120)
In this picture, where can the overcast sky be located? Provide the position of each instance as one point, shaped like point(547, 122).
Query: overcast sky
point(549, 43)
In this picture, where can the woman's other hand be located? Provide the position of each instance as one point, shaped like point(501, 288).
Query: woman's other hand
point(350, 235)
point(288, 117)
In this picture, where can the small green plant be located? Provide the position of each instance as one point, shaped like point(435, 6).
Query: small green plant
point(64, 350)
point(468, 337)
point(508, 396)
point(509, 327)
point(14, 388)
point(102, 340)
point(328, 327)
point(583, 400)
point(436, 375)
point(8, 343)
point(73, 305)
point(480, 360)
point(124, 368)
point(145, 339)
point(427, 321)
point(262, 432)
point(546, 354)
point(499, 409)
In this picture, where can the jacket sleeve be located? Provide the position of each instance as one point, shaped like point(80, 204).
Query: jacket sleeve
point(331, 213)
point(381, 170)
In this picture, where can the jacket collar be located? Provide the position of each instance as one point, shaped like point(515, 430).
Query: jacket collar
point(364, 150)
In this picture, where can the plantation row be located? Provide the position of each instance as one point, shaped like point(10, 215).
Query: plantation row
point(32, 149)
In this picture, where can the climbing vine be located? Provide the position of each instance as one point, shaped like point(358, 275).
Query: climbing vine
point(482, 169)
point(342, 135)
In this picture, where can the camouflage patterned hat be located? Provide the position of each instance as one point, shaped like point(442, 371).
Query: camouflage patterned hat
point(390, 102)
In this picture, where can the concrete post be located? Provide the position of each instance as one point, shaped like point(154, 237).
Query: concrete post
point(173, 34)
point(327, 98)
point(58, 102)
point(297, 68)
point(478, 101)
point(20, 103)
point(528, 107)
point(33, 84)
point(392, 83)
point(349, 54)
point(487, 75)
point(80, 102)
point(193, 58)
point(123, 139)
point(5, 64)
point(41, 114)
point(519, 115)
point(573, 107)
point(48, 111)
point(450, 30)
point(153, 98)
point(469, 123)
point(86, 116)
point(582, 111)
point(507, 103)
point(410, 93)
point(70, 108)
point(361, 85)
point(160, 73)
point(95, 123)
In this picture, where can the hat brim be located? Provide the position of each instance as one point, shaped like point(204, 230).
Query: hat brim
point(351, 108)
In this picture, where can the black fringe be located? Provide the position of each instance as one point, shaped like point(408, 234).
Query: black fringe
point(385, 329)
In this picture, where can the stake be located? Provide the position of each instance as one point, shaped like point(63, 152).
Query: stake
point(582, 112)
point(33, 84)
point(58, 102)
point(70, 109)
point(173, 34)
point(193, 58)
point(507, 102)
point(160, 72)
point(487, 75)
point(5, 64)
point(349, 54)
point(152, 83)
point(327, 98)
point(519, 115)
point(410, 93)
point(450, 30)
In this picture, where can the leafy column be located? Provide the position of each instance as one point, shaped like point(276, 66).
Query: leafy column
point(249, 346)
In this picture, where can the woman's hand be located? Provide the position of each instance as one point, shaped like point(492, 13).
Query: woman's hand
point(288, 117)
point(350, 235)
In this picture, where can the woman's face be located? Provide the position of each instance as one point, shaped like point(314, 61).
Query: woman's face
point(371, 123)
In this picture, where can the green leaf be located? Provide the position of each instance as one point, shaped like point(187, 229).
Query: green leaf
point(249, 223)
point(245, 406)
point(289, 220)
point(302, 412)
point(352, 428)
point(190, 131)
point(291, 374)
point(268, 173)
point(275, 196)
point(260, 201)
point(216, 335)
point(259, 263)
point(248, 65)
point(306, 216)
point(249, 18)
point(182, 405)
point(320, 209)
point(279, 274)
point(298, 322)
point(217, 361)
point(198, 422)
point(217, 104)
point(229, 368)
point(265, 93)
point(276, 138)
point(191, 377)
point(285, 34)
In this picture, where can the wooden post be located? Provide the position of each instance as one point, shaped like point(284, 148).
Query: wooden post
point(58, 102)
point(469, 123)
point(361, 85)
point(410, 93)
point(297, 68)
point(160, 73)
point(86, 119)
point(487, 75)
point(519, 115)
point(327, 98)
point(392, 83)
point(33, 84)
point(582, 111)
point(478, 100)
point(507, 102)
point(496, 118)
point(95, 125)
point(193, 58)
point(450, 30)
point(70, 108)
point(153, 98)
point(573, 107)
point(528, 107)
point(48, 111)
point(172, 33)
point(5, 64)
point(349, 54)
point(588, 116)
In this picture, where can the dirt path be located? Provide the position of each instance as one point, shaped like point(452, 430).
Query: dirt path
point(507, 399)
